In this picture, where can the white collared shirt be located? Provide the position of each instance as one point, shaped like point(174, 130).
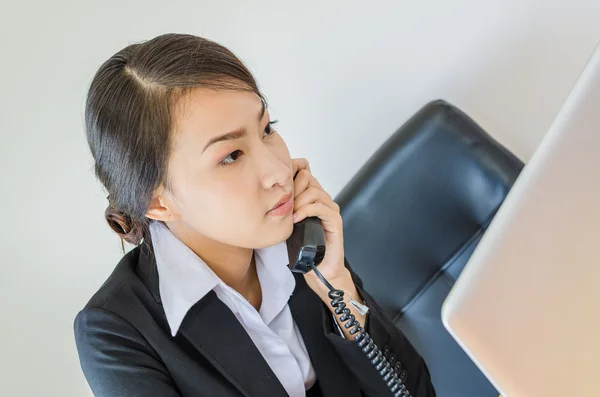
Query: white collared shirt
point(184, 279)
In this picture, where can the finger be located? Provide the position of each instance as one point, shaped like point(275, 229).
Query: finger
point(314, 195)
point(331, 220)
point(304, 180)
point(300, 164)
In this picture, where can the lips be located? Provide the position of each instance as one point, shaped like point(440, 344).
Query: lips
point(283, 200)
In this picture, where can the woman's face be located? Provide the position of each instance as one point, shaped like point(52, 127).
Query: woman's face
point(228, 167)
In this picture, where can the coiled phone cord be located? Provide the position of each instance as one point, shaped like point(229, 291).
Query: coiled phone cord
point(363, 339)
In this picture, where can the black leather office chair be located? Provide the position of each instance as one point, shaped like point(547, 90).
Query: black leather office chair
point(413, 215)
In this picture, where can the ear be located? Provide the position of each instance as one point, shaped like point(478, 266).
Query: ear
point(161, 207)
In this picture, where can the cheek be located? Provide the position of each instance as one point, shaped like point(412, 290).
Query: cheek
point(229, 198)
point(219, 199)
point(219, 210)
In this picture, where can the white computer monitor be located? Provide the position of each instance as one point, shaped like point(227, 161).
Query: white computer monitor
point(526, 308)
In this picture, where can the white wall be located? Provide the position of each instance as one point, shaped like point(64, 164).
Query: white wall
point(340, 75)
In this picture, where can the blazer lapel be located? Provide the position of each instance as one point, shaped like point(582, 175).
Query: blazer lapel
point(308, 310)
point(215, 331)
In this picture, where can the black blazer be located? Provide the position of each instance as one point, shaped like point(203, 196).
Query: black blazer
point(126, 349)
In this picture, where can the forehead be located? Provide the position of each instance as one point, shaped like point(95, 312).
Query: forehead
point(204, 113)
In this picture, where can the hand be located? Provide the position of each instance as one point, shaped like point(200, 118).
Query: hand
point(311, 200)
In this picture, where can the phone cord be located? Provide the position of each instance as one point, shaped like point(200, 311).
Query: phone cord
point(363, 339)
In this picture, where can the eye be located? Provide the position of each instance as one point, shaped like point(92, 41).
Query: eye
point(235, 155)
point(232, 158)
point(268, 129)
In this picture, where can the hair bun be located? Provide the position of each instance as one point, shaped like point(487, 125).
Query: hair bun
point(124, 226)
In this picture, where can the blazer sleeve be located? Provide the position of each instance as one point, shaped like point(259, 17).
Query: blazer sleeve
point(405, 360)
point(116, 360)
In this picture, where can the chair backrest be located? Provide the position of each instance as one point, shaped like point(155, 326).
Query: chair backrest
point(422, 201)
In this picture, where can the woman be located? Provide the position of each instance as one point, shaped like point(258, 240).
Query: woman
point(200, 181)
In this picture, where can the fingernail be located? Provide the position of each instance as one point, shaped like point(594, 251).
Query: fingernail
point(294, 217)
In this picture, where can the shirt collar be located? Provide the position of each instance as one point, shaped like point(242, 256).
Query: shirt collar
point(184, 278)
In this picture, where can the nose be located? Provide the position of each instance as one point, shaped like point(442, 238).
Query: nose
point(274, 169)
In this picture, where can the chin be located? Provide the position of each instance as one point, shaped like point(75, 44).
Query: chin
point(275, 234)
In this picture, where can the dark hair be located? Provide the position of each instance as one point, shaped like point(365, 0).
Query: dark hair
point(129, 117)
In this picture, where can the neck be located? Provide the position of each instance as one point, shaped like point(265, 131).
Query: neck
point(234, 265)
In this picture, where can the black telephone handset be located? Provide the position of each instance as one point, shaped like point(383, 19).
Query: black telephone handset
point(306, 249)
point(306, 245)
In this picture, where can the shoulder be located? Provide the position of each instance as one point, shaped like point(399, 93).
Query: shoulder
point(119, 282)
point(125, 296)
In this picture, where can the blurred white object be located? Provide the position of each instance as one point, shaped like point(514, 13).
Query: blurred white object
point(526, 308)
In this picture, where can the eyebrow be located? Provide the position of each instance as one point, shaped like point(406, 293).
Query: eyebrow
point(237, 134)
